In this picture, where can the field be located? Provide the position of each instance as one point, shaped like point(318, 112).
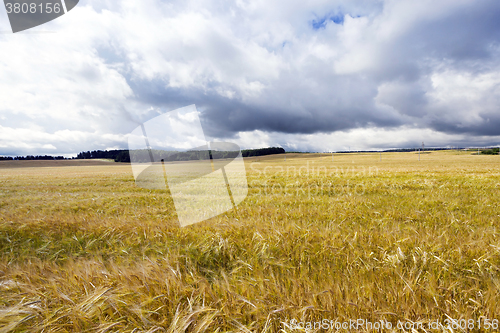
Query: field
point(376, 238)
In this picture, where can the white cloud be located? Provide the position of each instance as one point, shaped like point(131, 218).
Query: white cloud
point(373, 139)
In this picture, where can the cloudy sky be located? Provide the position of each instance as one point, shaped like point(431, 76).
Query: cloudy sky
point(316, 75)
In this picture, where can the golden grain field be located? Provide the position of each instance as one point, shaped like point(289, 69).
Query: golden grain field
point(83, 249)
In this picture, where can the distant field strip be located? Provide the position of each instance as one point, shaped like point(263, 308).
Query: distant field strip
point(365, 236)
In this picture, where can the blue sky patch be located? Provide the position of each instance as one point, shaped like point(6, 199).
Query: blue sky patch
point(321, 22)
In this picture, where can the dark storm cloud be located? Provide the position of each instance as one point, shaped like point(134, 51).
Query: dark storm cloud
point(313, 98)
point(322, 109)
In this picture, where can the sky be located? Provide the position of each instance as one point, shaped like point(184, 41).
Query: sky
point(304, 75)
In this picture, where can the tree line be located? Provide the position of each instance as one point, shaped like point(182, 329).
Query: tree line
point(118, 155)
point(144, 155)
point(262, 151)
point(492, 151)
point(31, 157)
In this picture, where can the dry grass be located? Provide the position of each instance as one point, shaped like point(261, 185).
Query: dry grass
point(82, 249)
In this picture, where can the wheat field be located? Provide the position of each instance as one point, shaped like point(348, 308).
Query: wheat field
point(380, 238)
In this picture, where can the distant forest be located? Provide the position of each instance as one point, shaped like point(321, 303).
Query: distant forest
point(492, 151)
point(143, 155)
point(31, 157)
point(117, 155)
point(123, 155)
